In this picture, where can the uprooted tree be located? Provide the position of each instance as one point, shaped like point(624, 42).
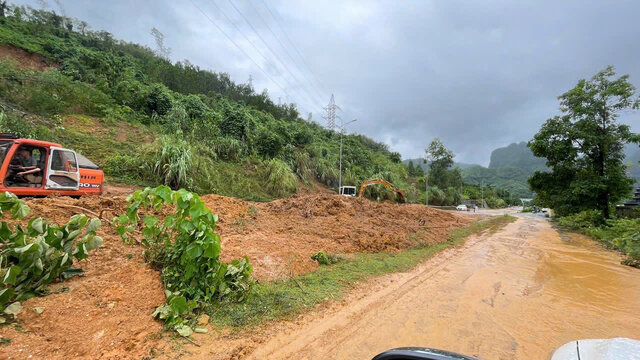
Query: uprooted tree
point(584, 147)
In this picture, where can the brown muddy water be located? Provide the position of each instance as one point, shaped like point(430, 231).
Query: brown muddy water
point(516, 294)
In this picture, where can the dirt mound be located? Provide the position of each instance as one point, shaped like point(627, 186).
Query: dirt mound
point(279, 237)
point(104, 314)
point(25, 59)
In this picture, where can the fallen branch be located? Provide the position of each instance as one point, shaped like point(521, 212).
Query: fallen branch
point(191, 341)
point(99, 216)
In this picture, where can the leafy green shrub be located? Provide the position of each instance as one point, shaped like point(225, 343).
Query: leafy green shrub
point(187, 250)
point(583, 220)
point(325, 259)
point(280, 180)
point(32, 258)
point(158, 100)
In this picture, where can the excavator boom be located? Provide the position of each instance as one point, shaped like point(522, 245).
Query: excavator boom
point(399, 192)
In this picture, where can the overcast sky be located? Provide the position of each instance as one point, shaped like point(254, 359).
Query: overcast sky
point(476, 74)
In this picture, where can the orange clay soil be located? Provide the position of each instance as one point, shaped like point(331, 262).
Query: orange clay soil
point(25, 59)
point(279, 237)
point(107, 312)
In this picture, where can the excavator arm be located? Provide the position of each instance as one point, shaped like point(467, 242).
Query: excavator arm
point(399, 192)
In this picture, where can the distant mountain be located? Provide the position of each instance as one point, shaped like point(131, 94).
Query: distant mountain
point(516, 155)
point(511, 166)
point(510, 178)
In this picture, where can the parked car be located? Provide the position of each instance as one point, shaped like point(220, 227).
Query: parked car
point(461, 207)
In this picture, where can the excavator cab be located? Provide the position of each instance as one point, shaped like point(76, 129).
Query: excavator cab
point(348, 191)
point(39, 168)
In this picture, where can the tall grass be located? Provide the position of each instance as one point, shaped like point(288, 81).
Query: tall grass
point(279, 179)
point(173, 162)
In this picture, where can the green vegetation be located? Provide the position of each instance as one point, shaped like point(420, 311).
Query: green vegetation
point(584, 147)
point(619, 234)
point(447, 185)
point(186, 249)
point(32, 258)
point(286, 298)
point(148, 121)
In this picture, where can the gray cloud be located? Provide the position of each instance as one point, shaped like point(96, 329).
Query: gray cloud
point(476, 74)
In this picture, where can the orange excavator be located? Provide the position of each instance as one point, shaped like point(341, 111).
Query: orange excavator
point(40, 168)
point(399, 192)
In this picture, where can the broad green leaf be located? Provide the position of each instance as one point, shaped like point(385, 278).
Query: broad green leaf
point(179, 305)
point(121, 230)
point(93, 243)
point(150, 221)
point(12, 274)
point(20, 210)
point(13, 309)
point(194, 251)
point(27, 249)
point(5, 232)
point(94, 225)
point(72, 235)
point(5, 295)
point(184, 330)
point(71, 272)
point(212, 250)
point(37, 225)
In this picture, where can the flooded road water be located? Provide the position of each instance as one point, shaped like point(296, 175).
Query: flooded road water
point(516, 294)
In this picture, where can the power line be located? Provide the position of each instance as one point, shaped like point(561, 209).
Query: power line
point(293, 45)
point(311, 97)
point(239, 48)
point(244, 36)
point(286, 51)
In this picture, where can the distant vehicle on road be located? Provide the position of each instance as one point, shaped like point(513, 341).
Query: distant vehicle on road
point(544, 210)
point(461, 207)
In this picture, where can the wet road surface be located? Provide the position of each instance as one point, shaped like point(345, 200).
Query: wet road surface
point(516, 294)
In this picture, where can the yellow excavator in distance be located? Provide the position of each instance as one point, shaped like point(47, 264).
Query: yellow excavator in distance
point(399, 192)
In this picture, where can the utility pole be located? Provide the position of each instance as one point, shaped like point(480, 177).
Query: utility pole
point(482, 191)
point(426, 181)
point(342, 126)
point(250, 81)
point(331, 113)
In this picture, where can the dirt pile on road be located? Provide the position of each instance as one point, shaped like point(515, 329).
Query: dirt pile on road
point(279, 237)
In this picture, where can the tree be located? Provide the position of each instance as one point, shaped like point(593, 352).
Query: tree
point(441, 159)
point(584, 146)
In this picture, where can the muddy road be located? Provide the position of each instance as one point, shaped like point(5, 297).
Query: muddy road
point(516, 294)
